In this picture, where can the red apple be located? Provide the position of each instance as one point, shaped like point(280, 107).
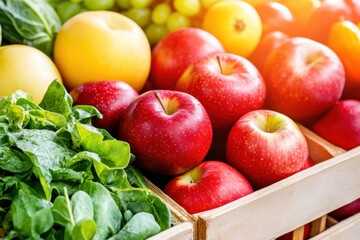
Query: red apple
point(169, 131)
point(111, 98)
point(266, 146)
point(177, 50)
point(227, 85)
point(268, 42)
point(304, 79)
point(341, 124)
point(275, 16)
point(346, 211)
point(209, 185)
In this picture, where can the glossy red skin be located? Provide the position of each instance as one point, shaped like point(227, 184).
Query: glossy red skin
point(303, 90)
point(276, 16)
point(111, 98)
point(346, 211)
point(265, 158)
point(177, 50)
point(162, 143)
point(226, 95)
point(218, 185)
point(330, 11)
point(289, 236)
point(341, 124)
point(268, 42)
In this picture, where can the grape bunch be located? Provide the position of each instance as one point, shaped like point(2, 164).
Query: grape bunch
point(156, 17)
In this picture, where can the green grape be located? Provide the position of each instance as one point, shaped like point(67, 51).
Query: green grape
point(66, 10)
point(99, 4)
point(161, 13)
point(140, 3)
point(155, 32)
point(123, 4)
point(177, 20)
point(76, 1)
point(142, 16)
point(187, 7)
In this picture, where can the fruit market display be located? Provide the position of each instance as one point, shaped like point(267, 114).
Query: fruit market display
point(203, 97)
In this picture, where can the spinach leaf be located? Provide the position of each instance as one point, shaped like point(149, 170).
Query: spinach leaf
point(75, 215)
point(14, 161)
point(31, 214)
point(141, 226)
point(31, 22)
point(143, 200)
point(45, 151)
point(107, 215)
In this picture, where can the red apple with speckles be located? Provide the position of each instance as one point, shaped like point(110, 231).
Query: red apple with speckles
point(176, 51)
point(266, 146)
point(209, 185)
point(341, 124)
point(169, 131)
point(111, 98)
point(304, 79)
point(227, 85)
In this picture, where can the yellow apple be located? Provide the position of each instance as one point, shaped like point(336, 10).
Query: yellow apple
point(236, 24)
point(102, 45)
point(26, 68)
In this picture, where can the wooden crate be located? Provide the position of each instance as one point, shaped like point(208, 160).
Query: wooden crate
point(305, 197)
point(285, 206)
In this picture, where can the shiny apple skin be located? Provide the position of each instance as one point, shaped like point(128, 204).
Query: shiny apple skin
point(168, 143)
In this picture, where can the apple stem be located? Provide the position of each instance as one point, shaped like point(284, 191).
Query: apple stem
point(161, 103)
point(219, 62)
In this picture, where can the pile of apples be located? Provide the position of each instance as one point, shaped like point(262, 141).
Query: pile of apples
point(212, 112)
point(211, 125)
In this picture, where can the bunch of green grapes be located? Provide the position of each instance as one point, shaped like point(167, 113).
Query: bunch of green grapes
point(157, 18)
point(68, 8)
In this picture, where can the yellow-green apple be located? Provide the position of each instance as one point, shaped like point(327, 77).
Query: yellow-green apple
point(266, 146)
point(209, 185)
point(341, 124)
point(169, 131)
point(227, 85)
point(304, 79)
point(347, 210)
point(268, 42)
point(173, 53)
point(110, 97)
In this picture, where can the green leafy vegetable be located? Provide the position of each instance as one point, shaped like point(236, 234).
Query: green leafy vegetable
point(62, 178)
point(143, 221)
point(31, 22)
